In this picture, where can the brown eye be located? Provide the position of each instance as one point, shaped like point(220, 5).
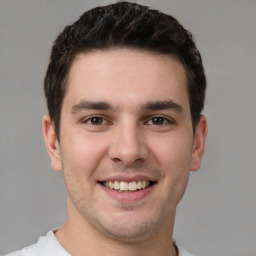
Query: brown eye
point(158, 120)
point(96, 123)
point(96, 120)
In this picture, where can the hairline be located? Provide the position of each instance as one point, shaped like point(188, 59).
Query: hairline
point(78, 54)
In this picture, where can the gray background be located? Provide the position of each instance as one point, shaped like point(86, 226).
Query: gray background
point(217, 214)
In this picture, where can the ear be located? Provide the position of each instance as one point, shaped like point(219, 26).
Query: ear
point(51, 142)
point(199, 144)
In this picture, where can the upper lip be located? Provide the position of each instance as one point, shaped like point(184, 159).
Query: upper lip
point(127, 178)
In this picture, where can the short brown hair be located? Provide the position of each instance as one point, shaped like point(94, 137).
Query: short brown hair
point(119, 25)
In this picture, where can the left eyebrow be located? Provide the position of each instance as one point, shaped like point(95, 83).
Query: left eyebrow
point(162, 105)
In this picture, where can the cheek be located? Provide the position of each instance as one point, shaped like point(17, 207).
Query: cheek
point(82, 153)
point(174, 153)
point(175, 158)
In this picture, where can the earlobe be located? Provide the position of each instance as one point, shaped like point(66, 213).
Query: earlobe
point(51, 142)
point(199, 144)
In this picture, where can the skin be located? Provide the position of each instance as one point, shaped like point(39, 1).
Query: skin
point(132, 135)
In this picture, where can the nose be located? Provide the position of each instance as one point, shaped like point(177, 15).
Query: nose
point(128, 145)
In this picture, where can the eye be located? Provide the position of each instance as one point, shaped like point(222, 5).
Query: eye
point(159, 120)
point(95, 120)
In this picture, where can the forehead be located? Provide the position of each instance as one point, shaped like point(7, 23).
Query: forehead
point(127, 75)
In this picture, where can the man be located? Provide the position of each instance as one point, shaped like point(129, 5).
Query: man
point(125, 88)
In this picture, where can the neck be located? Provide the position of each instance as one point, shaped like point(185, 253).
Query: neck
point(80, 238)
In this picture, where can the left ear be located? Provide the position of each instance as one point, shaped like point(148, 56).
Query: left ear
point(199, 144)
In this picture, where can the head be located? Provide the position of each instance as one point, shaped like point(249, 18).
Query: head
point(125, 89)
point(123, 25)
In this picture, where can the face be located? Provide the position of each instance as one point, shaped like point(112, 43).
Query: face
point(126, 142)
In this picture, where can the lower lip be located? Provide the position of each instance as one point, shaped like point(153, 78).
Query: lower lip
point(128, 196)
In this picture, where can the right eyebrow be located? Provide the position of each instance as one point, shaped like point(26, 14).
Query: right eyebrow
point(89, 105)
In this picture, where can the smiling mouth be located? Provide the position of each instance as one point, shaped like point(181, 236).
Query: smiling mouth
point(125, 187)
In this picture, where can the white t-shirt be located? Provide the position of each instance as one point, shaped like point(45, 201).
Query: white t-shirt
point(49, 246)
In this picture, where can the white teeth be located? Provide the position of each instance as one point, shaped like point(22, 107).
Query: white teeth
point(111, 184)
point(126, 186)
point(132, 185)
point(116, 185)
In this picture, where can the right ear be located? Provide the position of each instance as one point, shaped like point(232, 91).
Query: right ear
point(52, 143)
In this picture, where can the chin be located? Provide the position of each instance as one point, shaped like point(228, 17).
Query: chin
point(130, 228)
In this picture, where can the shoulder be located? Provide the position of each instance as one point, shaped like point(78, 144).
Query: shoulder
point(46, 246)
point(182, 251)
point(27, 251)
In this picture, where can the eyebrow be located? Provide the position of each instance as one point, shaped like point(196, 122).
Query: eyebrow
point(163, 105)
point(87, 105)
point(101, 105)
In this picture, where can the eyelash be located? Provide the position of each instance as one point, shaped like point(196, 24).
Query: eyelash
point(165, 120)
point(150, 120)
point(89, 119)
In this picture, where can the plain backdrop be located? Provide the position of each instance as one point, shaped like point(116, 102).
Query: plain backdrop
point(217, 214)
